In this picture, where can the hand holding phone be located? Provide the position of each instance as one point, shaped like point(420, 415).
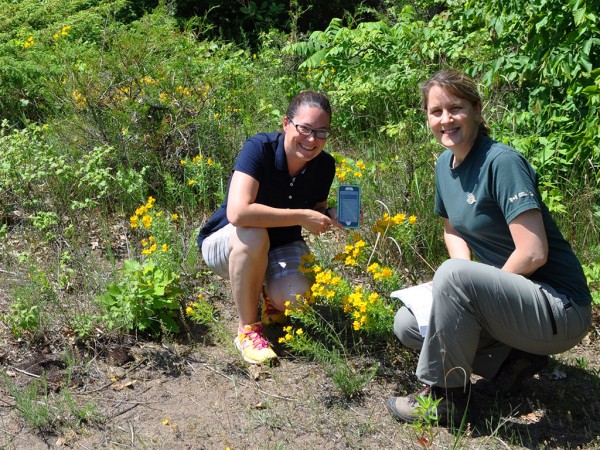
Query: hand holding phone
point(349, 206)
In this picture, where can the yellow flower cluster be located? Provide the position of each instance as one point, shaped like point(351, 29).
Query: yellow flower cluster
point(143, 217)
point(80, 99)
point(324, 285)
point(142, 212)
point(233, 109)
point(29, 42)
point(64, 31)
point(183, 90)
point(351, 251)
point(347, 169)
point(357, 304)
point(290, 333)
point(387, 221)
point(379, 272)
point(192, 309)
point(197, 159)
point(321, 74)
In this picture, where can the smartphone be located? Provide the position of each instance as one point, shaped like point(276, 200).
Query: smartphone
point(349, 206)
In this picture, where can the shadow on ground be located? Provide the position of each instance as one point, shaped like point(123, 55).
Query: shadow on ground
point(559, 408)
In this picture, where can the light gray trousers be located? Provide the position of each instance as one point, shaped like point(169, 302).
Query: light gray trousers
point(479, 313)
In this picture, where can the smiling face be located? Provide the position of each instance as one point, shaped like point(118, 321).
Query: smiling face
point(454, 121)
point(300, 149)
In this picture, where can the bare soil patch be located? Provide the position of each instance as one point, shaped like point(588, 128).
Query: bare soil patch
point(198, 395)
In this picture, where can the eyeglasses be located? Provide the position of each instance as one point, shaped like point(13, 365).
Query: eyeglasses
point(305, 130)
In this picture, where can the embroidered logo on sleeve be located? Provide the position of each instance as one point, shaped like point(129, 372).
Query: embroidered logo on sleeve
point(516, 197)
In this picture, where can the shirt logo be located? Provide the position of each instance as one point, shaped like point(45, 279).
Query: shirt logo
point(520, 195)
point(471, 198)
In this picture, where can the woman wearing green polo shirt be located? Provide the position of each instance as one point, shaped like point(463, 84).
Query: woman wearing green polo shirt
point(523, 297)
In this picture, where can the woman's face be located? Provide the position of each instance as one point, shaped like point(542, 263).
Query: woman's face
point(302, 148)
point(453, 121)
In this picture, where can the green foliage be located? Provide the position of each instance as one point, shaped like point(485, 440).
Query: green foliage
point(30, 32)
point(551, 53)
point(592, 273)
point(144, 299)
point(203, 183)
point(202, 312)
point(36, 171)
point(27, 314)
point(48, 411)
point(364, 69)
point(23, 317)
point(425, 427)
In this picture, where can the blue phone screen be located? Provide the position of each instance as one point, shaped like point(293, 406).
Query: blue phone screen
point(349, 206)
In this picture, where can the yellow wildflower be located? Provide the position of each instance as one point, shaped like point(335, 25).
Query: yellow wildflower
point(373, 268)
point(147, 221)
point(386, 272)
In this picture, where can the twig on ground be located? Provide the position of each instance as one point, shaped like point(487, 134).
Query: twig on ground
point(207, 367)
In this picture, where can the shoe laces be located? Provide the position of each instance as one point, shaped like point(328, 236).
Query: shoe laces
point(267, 305)
point(255, 337)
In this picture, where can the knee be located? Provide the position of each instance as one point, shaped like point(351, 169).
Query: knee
point(406, 329)
point(251, 240)
point(448, 274)
point(287, 289)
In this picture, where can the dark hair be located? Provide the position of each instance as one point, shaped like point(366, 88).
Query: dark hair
point(311, 99)
point(458, 84)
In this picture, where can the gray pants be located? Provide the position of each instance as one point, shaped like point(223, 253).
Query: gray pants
point(479, 313)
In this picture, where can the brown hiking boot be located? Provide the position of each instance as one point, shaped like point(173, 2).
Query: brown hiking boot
point(447, 406)
point(518, 366)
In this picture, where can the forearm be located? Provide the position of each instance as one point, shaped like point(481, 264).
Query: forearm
point(524, 262)
point(262, 216)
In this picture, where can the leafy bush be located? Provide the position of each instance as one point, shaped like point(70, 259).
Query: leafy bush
point(144, 299)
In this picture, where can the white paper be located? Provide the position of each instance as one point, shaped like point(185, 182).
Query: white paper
point(418, 299)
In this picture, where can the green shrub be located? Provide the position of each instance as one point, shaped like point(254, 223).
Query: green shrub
point(144, 299)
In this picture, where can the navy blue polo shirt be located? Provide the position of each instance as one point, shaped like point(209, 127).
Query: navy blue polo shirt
point(263, 158)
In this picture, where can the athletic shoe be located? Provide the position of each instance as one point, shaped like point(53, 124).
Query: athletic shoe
point(269, 314)
point(252, 344)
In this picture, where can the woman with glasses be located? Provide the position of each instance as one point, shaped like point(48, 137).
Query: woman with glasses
point(279, 185)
